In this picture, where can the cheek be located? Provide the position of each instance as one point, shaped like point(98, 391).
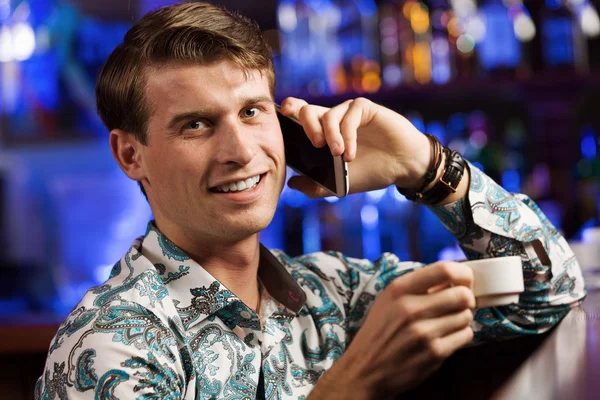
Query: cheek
point(278, 145)
point(175, 164)
point(274, 141)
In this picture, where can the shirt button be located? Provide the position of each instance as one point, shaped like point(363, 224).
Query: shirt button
point(245, 314)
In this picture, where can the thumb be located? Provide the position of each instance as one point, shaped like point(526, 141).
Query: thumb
point(308, 187)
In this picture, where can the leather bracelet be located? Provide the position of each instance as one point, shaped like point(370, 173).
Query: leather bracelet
point(451, 176)
point(434, 163)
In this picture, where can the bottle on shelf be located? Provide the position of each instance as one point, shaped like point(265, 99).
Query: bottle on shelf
point(499, 51)
point(396, 43)
point(360, 69)
point(563, 43)
point(309, 48)
point(443, 54)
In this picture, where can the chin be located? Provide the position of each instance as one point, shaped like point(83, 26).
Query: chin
point(239, 227)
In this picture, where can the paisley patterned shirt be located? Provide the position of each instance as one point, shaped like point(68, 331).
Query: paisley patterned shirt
point(161, 327)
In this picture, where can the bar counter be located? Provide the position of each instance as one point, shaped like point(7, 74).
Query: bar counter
point(561, 364)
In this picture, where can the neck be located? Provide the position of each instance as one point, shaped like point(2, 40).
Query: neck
point(234, 264)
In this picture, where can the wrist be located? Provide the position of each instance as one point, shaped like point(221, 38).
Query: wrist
point(344, 380)
point(440, 188)
point(413, 173)
point(438, 173)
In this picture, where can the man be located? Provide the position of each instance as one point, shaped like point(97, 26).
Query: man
point(197, 309)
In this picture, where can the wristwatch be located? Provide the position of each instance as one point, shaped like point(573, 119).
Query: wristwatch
point(454, 169)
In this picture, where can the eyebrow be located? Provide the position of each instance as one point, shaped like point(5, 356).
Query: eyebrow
point(186, 116)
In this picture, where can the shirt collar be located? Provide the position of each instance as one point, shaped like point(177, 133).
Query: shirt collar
point(197, 294)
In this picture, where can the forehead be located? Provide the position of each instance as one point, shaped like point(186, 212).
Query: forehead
point(172, 87)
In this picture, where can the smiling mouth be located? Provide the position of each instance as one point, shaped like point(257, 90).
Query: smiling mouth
point(239, 186)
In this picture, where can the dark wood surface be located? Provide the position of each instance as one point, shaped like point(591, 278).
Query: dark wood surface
point(27, 333)
point(24, 342)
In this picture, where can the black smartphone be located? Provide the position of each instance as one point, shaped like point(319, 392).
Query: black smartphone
point(317, 164)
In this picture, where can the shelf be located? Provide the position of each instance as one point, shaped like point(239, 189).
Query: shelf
point(485, 88)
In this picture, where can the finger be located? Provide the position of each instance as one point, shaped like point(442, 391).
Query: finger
point(349, 129)
point(450, 300)
point(291, 105)
point(310, 118)
point(331, 122)
point(437, 288)
point(454, 341)
point(442, 347)
point(308, 187)
point(432, 328)
point(441, 272)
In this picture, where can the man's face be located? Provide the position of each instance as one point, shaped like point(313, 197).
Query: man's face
point(213, 127)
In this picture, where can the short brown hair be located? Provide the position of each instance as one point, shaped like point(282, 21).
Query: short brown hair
point(189, 33)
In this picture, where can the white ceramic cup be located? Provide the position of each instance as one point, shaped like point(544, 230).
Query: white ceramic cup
point(497, 281)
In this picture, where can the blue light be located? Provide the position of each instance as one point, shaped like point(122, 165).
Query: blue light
point(375, 195)
point(272, 236)
point(553, 4)
point(369, 216)
point(511, 180)
point(588, 147)
point(441, 73)
point(23, 38)
point(500, 47)
point(453, 252)
point(308, 51)
point(553, 210)
point(102, 272)
point(558, 41)
point(588, 142)
point(440, 60)
point(100, 39)
point(457, 123)
point(478, 165)
point(417, 120)
point(399, 196)
point(311, 233)
point(437, 129)
point(293, 198)
point(4, 9)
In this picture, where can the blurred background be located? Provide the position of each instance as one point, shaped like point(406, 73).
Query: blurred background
point(514, 85)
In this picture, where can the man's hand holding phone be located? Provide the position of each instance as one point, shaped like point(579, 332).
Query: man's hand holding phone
point(381, 147)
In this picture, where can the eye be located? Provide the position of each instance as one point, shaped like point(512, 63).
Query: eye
point(251, 112)
point(194, 125)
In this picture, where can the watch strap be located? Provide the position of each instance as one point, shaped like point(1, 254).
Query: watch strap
point(448, 183)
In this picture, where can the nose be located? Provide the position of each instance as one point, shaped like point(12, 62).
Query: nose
point(237, 144)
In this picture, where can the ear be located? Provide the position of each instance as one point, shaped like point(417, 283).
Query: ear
point(127, 151)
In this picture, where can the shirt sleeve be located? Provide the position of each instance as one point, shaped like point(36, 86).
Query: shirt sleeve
point(491, 222)
point(120, 350)
point(487, 222)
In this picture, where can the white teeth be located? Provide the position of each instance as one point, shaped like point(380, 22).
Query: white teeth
point(240, 185)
